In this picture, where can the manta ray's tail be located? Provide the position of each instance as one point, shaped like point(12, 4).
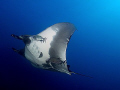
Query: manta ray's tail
point(81, 74)
point(77, 73)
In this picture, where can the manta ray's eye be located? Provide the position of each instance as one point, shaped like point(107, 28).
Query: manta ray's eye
point(27, 40)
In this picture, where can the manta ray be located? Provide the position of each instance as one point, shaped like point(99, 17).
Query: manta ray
point(47, 50)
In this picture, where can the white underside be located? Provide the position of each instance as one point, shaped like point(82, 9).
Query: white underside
point(33, 50)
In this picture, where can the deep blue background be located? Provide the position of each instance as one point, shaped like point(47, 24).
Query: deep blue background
point(93, 50)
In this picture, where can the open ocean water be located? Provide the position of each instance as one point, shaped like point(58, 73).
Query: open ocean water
point(94, 49)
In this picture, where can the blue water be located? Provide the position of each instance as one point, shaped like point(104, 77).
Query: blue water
point(93, 50)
